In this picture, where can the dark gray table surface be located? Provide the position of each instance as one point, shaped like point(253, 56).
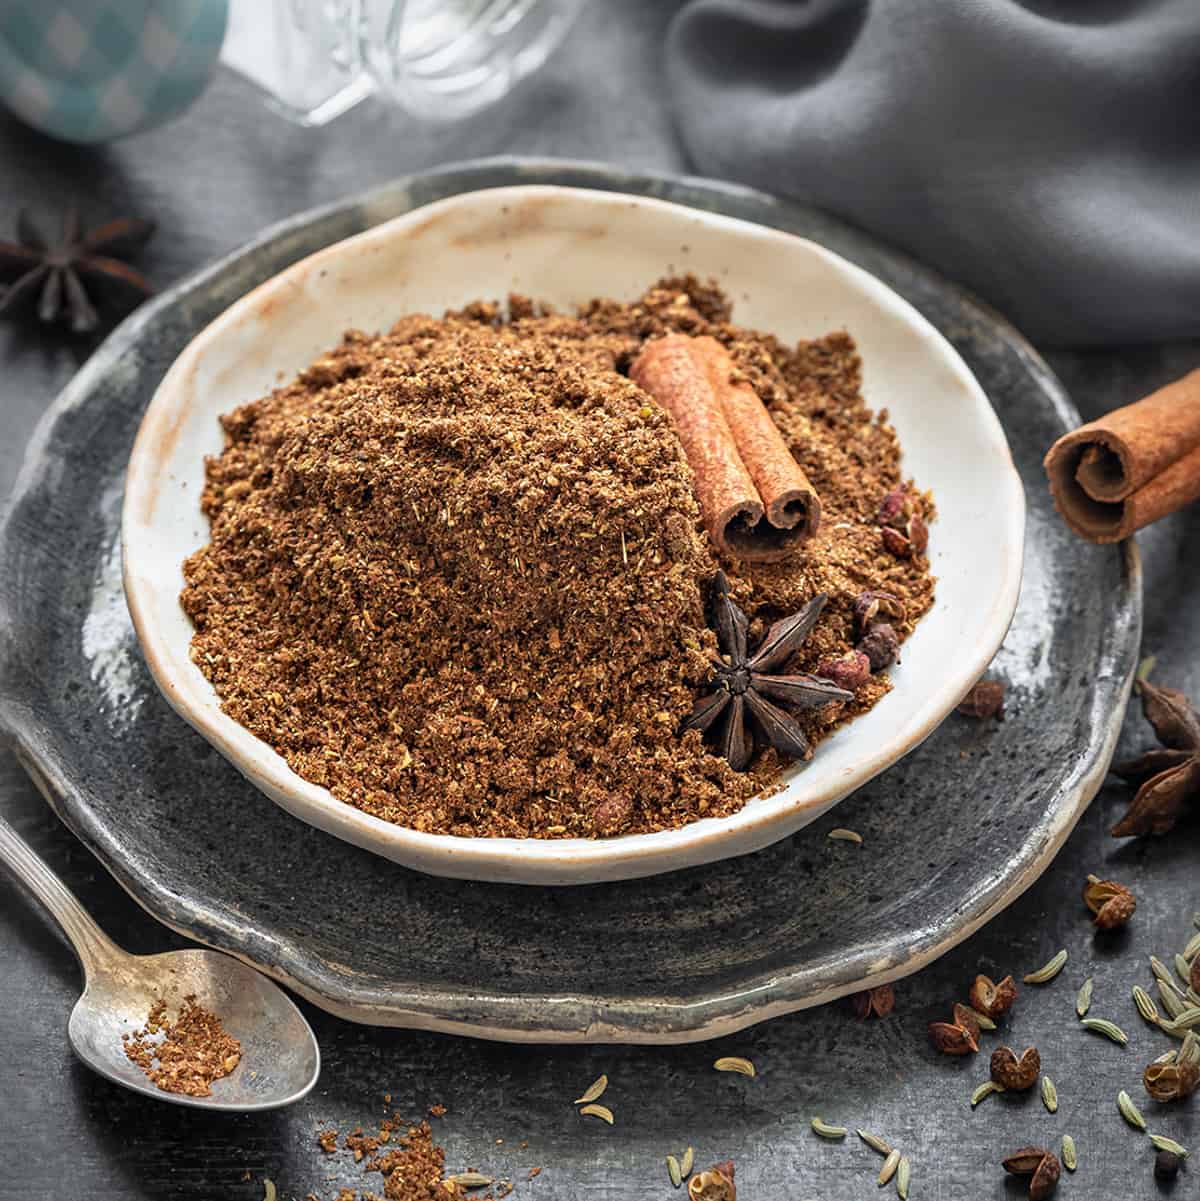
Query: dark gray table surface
point(214, 178)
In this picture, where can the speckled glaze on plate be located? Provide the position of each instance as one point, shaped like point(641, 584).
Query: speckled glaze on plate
point(566, 246)
point(953, 833)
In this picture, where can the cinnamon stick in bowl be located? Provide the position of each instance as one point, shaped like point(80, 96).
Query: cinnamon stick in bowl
point(755, 499)
point(1113, 476)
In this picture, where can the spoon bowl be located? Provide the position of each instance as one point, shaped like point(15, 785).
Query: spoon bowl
point(280, 1058)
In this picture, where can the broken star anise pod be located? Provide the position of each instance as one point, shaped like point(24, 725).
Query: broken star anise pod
point(68, 279)
point(1169, 776)
point(738, 708)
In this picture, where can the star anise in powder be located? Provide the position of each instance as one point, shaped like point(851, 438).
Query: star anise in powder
point(741, 708)
point(70, 278)
point(1169, 775)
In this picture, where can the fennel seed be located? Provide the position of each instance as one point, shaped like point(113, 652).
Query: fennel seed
point(687, 1163)
point(470, 1179)
point(598, 1111)
point(1145, 1005)
point(1161, 971)
point(875, 1142)
point(1047, 971)
point(674, 1171)
point(1129, 1111)
point(985, 1090)
point(1184, 969)
point(1169, 1144)
point(902, 1174)
point(1173, 1000)
point(825, 1130)
point(594, 1091)
point(1049, 1095)
point(1070, 1157)
point(985, 1022)
point(1083, 1002)
point(889, 1168)
point(840, 835)
point(735, 1063)
point(1107, 1028)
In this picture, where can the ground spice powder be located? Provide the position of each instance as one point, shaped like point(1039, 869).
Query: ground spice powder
point(456, 571)
point(412, 1166)
point(193, 1051)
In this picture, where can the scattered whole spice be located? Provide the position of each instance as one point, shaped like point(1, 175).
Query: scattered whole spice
point(874, 1002)
point(1166, 1165)
point(842, 835)
point(985, 700)
point(871, 607)
point(890, 1164)
point(1070, 1156)
point(193, 1051)
point(966, 1017)
point(1112, 903)
point(849, 671)
point(1129, 1111)
point(1083, 999)
point(1171, 1081)
point(1145, 1005)
point(716, 1184)
point(1048, 970)
point(756, 501)
point(827, 1130)
point(1162, 1143)
point(741, 708)
point(1110, 1030)
point(903, 530)
point(598, 1111)
point(881, 646)
point(953, 1038)
point(735, 1063)
point(993, 999)
point(457, 574)
point(1168, 777)
point(57, 277)
point(1016, 1074)
point(983, 1091)
point(1040, 1165)
point(875, 1142)
point(594, 1091)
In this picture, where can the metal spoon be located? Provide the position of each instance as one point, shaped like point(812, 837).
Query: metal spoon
point(280, 1058)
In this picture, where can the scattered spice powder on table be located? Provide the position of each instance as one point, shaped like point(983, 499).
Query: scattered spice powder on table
point(194, 1049)
point(457, 573)
point(413, 1167)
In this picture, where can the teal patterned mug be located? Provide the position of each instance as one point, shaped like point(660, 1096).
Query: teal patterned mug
point(94, 70)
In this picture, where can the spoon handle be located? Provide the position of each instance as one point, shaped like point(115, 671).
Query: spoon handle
point(94, 948)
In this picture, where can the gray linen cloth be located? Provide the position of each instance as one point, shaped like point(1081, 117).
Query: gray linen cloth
point(1044, 153)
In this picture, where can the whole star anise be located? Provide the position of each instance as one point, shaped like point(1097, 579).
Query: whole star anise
point(738, 707)
point(1169, 776)
point(59, 276)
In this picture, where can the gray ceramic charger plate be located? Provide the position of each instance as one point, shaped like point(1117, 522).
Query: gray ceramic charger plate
point(953, 833)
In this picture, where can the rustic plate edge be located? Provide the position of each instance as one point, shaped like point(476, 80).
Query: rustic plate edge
point(609, 1020)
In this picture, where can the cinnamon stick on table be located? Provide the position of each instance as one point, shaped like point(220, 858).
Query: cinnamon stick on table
point(1113, 476)
point(756, 501)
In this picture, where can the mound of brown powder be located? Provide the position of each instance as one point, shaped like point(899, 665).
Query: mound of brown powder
point(456, 572)
point(184, 1055)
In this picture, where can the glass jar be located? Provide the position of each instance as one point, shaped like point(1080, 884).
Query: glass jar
point(439, 59)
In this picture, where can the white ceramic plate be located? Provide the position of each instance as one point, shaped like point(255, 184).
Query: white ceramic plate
point(568, 245)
